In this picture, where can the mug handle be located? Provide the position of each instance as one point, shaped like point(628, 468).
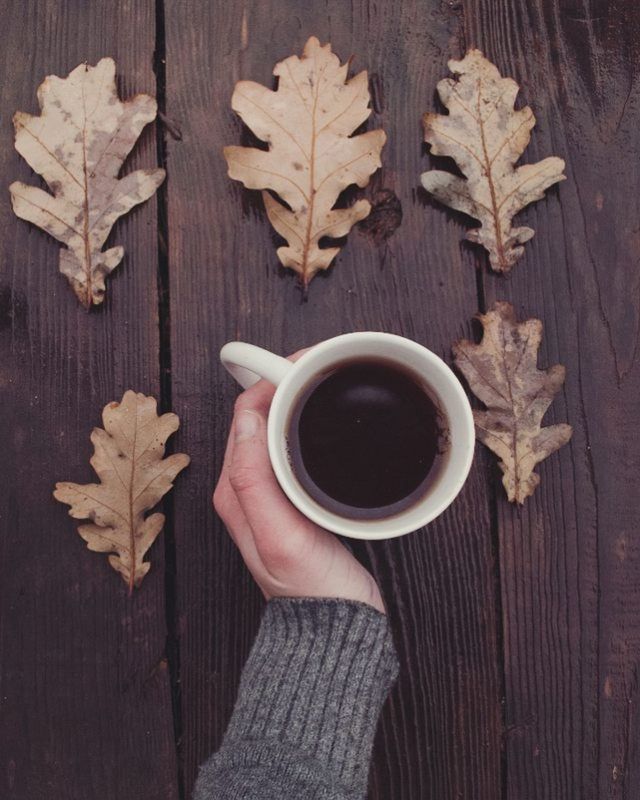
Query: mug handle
point(248, 364)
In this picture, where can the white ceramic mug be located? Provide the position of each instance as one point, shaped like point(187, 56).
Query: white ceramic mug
point(248, 364)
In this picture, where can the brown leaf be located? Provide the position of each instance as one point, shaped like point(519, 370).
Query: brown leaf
point(312, 157)
point(502, 373)
point(485, 137)
point(78, 144)
point(128, 459)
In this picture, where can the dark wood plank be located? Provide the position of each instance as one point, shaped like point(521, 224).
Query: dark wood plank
point(441, 732)
point(569, 560)
point(85, 705)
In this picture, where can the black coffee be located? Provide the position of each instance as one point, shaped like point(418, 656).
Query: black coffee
point(365, 439)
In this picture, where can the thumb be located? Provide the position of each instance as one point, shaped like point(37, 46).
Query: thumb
point(263, 502)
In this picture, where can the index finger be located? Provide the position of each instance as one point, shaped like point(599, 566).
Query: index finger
point(259, 396)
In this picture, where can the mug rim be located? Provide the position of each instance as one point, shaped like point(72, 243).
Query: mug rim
point(386, 527)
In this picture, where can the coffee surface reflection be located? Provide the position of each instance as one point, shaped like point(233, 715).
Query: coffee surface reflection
point(366, 439)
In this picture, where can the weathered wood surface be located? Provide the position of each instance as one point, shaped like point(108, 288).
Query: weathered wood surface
point(442, 730)
point(85, 703)
point(517, 629)
point(570, 560)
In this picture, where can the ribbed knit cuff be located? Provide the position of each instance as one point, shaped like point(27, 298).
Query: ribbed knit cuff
point(317, 676)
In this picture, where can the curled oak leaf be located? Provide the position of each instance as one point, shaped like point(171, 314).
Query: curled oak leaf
point(486, 136)
point(502, 373)
point(312, 157)
point(128, 459)
point(78, 144)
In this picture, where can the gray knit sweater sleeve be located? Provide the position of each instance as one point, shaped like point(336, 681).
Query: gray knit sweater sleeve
point(308, 705)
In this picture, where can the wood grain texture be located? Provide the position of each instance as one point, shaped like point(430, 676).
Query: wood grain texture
point(569, 560)
point(518, 630)
point(85, 705)
point(441, 732)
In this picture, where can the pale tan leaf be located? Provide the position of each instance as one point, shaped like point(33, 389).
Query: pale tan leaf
point(312, 157)
point(485, 136)
point(502, 373)
point(134, 476)
point(78, 144)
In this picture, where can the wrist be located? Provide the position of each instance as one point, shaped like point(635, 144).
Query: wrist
point(369, 595)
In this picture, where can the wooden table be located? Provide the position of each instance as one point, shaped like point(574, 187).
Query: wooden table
point(518, 629)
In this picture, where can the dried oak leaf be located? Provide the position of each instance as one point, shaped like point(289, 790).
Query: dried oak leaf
point(312, 157)
point(78, 144)
point(502, 373)
point(128, 459)
point(486, 136)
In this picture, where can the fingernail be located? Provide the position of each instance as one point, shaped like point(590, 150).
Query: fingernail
point(246, 425)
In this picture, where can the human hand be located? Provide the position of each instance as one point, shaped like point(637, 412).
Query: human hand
point(287, 554)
